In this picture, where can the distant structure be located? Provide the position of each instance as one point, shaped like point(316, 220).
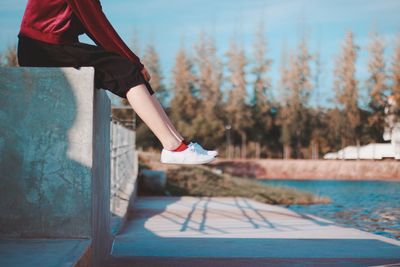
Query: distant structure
point(377, 150)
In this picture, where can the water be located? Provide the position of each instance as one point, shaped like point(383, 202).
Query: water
point(372, 206)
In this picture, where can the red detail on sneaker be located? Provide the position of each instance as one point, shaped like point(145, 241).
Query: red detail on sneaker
point(181, 147)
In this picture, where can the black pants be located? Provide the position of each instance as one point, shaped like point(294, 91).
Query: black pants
point(113, 72)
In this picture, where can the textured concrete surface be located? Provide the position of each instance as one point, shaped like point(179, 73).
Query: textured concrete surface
point(41, 252)
point(54, 155)
point(45, 152)
point(100, 179)
point(192, 231)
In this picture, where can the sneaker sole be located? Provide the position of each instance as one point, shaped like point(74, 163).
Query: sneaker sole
point(188, 163)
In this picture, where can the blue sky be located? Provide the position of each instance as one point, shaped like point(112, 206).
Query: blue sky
point(169, 24)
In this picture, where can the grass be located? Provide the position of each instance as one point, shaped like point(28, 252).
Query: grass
point(202, 181)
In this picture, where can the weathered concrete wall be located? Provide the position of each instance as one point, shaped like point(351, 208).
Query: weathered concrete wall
point(312, 169)
point(54, 155)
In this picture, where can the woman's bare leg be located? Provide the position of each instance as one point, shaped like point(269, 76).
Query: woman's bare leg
point(166, 118)
point(148, 109)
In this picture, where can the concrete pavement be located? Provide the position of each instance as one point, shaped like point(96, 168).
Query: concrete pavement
point(216, 231)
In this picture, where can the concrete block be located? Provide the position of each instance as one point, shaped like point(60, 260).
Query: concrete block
point(42, 252)
point(54, 155)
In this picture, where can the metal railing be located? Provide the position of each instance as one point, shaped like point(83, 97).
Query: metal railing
point(124, 161)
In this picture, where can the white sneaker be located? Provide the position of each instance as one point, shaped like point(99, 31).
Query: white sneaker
point(213, 153)
point(191, 155)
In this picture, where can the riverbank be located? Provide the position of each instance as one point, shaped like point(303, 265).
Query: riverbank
point(203, 181)
point(311, 169)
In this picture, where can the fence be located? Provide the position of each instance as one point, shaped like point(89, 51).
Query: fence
point(124, 168)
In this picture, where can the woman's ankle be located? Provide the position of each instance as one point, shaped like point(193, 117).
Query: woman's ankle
point(181, 147)
point(172, 145)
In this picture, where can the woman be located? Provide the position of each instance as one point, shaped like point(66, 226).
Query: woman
point(49, 38)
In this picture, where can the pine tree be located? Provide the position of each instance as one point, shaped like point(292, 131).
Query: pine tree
point(184, 104)
point(260, 104)
point(304, 73)
point(376, 82)
point(209, 73)
point(296, 80)
point(238, 112)
point(395, 72)
point(346, 88)
point(152, 62)
point(318, 124)
point(376, 85)
point(208, 122)
point(285, 136)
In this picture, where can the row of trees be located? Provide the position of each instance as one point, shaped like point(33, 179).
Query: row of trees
point(209, 98)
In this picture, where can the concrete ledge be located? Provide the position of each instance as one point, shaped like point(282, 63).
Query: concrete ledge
point(54, 156)
point(42, 252)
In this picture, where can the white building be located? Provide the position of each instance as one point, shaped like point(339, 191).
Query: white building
point(380, 150)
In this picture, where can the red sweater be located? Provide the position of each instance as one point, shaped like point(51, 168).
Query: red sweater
point(61, 21)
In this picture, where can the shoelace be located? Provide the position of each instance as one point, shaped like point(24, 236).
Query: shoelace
point(201, 148)
point(195, 147)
